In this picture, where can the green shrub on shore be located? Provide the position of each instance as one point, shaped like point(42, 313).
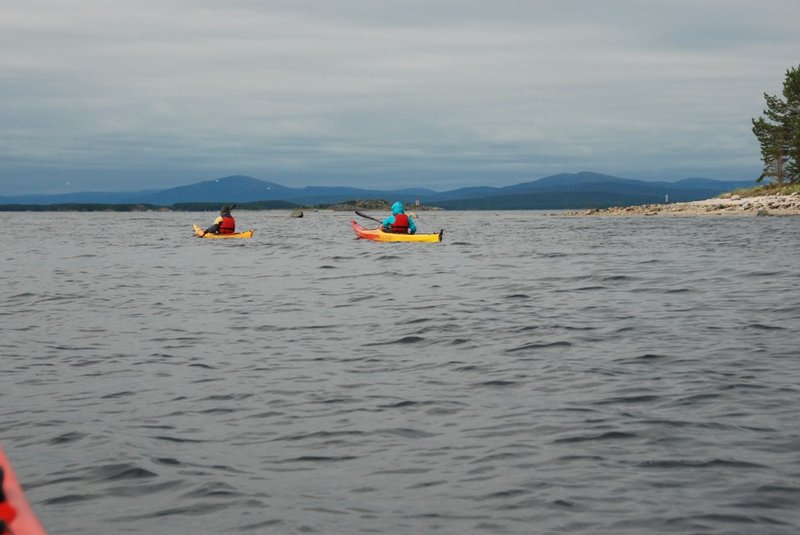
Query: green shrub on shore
point(767, 189)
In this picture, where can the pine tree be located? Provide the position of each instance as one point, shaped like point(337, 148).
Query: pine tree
point(778, 132)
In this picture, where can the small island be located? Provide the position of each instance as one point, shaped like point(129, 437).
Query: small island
point(760, 201)
point(371, 204)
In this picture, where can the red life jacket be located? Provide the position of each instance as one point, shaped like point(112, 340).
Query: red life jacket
point(400, 225)
point(228, 225)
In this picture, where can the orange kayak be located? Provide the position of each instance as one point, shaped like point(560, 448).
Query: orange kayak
point(15, 512)
point(376, 234)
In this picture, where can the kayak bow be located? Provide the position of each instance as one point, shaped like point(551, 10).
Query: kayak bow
point(199, 233)
point(377, 234)
point(15, 512)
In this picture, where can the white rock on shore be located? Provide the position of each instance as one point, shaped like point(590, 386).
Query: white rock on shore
point(735, 205)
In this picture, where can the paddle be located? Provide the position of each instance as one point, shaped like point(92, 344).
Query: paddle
point(368, 217)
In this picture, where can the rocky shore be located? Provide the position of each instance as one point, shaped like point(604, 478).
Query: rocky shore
point(734, 205)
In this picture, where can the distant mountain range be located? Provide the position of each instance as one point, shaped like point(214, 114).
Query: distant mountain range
point(563, 191)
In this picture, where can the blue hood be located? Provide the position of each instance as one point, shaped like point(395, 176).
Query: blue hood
point(397, 208)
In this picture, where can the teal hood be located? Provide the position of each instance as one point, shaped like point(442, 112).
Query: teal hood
point(398, 208)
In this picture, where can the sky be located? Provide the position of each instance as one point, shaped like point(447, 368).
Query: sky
point(151, 94)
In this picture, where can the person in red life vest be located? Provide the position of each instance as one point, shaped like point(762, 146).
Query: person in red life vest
point(224, 223)
point(399, 222)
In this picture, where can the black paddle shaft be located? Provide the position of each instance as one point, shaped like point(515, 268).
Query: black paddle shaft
point(368, 217)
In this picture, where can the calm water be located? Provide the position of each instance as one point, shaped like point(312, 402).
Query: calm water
point(530, 374)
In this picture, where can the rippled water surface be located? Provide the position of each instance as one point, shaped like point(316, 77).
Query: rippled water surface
point(531, 374)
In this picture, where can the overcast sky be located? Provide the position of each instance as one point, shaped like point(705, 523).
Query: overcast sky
point(140, 94)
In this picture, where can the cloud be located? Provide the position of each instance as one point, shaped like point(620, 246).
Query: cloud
point(149, 94)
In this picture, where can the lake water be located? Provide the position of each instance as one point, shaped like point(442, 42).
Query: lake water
point(532, 373)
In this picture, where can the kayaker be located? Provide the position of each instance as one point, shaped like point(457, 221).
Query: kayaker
point(399, 222)
point(223, 224)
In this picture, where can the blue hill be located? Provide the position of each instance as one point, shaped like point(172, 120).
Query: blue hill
point(568, 190)
point(229, 189)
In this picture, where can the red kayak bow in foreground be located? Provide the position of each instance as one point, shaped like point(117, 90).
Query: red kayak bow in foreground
point(16, 515)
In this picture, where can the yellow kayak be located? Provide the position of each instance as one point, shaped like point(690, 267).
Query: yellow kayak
point(199, 233)
point(376, 234)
